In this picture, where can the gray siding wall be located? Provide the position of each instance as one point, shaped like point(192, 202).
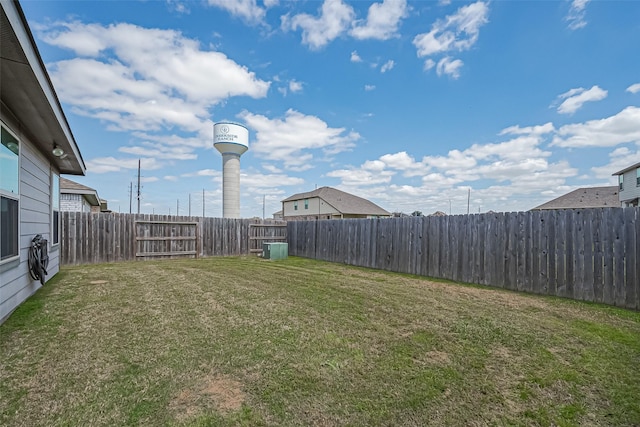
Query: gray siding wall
point(631, 190)
point(16, 284)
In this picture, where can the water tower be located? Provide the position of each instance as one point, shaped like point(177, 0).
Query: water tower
point(231, 140)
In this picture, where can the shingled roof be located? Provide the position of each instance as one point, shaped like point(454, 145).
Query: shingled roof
point(343, 202)
point(588, 197)
point(72, 187)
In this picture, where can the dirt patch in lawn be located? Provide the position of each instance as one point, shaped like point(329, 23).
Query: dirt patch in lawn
point(213, 391)
point(439, 358)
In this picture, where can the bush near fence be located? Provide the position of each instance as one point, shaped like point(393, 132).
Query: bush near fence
point(584, 254)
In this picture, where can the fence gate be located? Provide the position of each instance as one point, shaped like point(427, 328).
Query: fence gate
point(166, 239)
point(266, 232)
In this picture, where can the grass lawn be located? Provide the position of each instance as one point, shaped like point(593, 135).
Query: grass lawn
point(246, 341)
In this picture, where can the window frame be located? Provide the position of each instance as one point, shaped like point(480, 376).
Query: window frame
point(621, 182)
point(295, 205)
point(638, 177)
point(55, 220)
point(13, 196)
point(306, 203)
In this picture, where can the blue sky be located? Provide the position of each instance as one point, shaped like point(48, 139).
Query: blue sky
point(408, 103)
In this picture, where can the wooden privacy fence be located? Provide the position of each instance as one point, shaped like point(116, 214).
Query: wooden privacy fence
point(262, 233)
point(172, 238)
point(88, 238)
point(584, 254)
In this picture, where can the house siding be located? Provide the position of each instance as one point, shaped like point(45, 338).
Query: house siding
point(74, 203)
point(631, 190)
point(16, 284)
point(316, 207)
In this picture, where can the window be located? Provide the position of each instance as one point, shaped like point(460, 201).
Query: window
point(306, 203)
point(55, 209)
point(9, 194)
point(637, 177)
point(621, 182)
point(295, 205)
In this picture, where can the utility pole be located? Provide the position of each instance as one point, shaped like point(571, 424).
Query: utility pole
point(189, 204)
point(138, 185)
point(468, 200)
point(130, 195)
point(177, 206)
point(203, 203)
point(263, 207)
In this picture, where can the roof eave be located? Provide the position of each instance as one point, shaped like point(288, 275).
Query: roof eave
point(627, 169)
point(28, 94)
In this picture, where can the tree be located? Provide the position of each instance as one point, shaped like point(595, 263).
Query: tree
point(416, 213)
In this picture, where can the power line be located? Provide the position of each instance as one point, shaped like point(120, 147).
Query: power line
point(138, 186)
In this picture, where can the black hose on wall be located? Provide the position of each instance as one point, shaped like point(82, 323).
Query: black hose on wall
point(38, 258)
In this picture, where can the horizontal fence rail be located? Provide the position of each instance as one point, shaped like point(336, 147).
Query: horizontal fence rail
point(583, 254)
point(88, 238)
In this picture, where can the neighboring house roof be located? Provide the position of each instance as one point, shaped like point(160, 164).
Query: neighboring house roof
point(27, 91)
point(637, 165)
point(588, 197)
point(343, 202)
point(71, 187)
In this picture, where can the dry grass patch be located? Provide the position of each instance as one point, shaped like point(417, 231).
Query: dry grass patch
point(213, 391)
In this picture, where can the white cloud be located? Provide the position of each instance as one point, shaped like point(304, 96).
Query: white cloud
point(634, 88)
point(535, 130)
point(387, 66)
point(457, 32)
point(203, 172)
point(178, 6)
point(577, 13)
point(620, 128)
point(271, 168)
point(429, 64)
point(367, 174)
point(335, 17)
point(137, 89)
point(112, 164)
point(620, 158)
point(404, 162)
point(574, 99)
point(262, 181)
point(521, 148)
point(355, 57)
point(506, 175)
point(369, 87)
point(248, 10)
point(292, 139)
point(382, 21)
point(295, 86)
point(449, 67)
point(160, 151)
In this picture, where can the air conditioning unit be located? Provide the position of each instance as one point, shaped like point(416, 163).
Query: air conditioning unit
point(274, 250)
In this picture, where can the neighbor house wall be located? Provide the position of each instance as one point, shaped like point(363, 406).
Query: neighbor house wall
point(74, 203)
point(316, 207)
point(631, 189)
point(16, 284)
